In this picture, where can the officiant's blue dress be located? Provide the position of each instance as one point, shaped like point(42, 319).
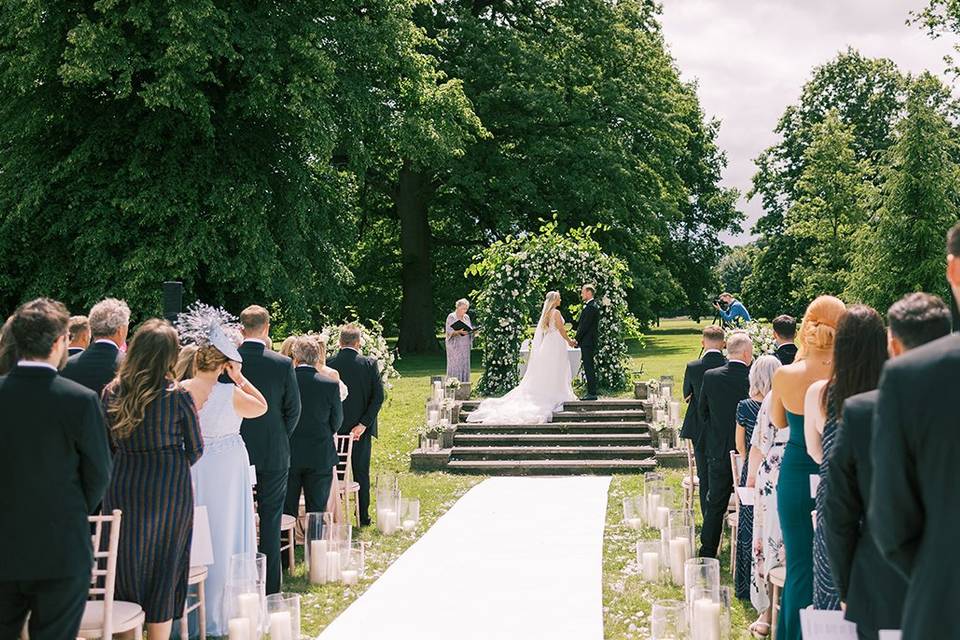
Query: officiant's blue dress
point(795, 506)
point(222, 480)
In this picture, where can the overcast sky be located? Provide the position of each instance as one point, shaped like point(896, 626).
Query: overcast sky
point(751, 58)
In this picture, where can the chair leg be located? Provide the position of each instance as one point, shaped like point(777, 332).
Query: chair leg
point(138, 632)
point(292, 550)
point(185, 623)
point(774, 609)
point(733, 549)
point(202, 611)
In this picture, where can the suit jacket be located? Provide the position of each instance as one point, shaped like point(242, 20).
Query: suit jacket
point(786, 353)
point(362, 377)
point(723, 389)
point(268, 437)
point(916, 445)
point(871, 587)
point(692, 381)
point(74, 351)
point(311, 444)
point(94, 367)
point(55, 466)
point(587, 325)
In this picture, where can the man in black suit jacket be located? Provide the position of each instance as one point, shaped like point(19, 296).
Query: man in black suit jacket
point(586, 338)
point(79, 329)
point(54, 466)
point(872, 589)
point(268, 437)
point(313, 454)
point(97, 365)
point(916, 442)
point(723, 389)
point(784, 333)
point(692, 381)
point(362, 377)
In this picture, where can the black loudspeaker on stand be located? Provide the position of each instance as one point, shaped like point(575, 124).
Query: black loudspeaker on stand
point(172, 300)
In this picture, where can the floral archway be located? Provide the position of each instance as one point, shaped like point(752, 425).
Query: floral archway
point(516, 273)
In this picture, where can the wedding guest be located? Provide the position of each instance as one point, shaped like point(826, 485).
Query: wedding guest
point(97, 365)
point(286, 349)
point(79, 329)
point(723, 389)
point(8, 348)
point(692, 430)
point(761, 377)
point(859, 351)
point(361, 374)
point(794, 503)
point(586, 338)
point(734, 313)
point(313, 454)
point(155, 436)
point(763, 466)
point(54, 465)
point(916, 443)
point(784, 332)
point(871, 588)
point(225, 398)
point(186, 363)
point(268, 437)
point(459, 342)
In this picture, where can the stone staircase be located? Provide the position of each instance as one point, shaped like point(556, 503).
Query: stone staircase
point(602, 437)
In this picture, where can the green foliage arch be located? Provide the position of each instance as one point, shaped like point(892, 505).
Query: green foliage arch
point(516, 273)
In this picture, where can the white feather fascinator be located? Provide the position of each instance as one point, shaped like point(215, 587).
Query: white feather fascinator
point(204, 326)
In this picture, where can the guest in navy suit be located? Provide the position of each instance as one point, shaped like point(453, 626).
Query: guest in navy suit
point(55, 465)
point(784, 333)
point(97, 365)
point(692, 381)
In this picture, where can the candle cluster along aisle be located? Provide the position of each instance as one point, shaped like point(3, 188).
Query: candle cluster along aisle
point(244, 598)
point(331, 554)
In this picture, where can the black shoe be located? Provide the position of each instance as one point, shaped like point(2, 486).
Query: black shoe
point(588, 398)
point(364, 523)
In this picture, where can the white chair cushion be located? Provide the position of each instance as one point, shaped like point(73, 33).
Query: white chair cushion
point(287, 522)
point(125, 617)
point(353, 487)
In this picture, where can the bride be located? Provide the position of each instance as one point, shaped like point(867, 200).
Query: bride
point(546, 383)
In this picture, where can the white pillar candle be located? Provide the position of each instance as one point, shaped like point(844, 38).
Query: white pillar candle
point(679, 554)
point(333, 565)
point(653, 503)
point(433, 417)
point(318, 561)
point(280, 627)
point(651, 566)
point(249, 608)
point(675, 412)
point(238, 629)
point(663, 517)
point(389, 525)
point(409, 525)
point(706, 619)
point(349, 576)
point(635, 523)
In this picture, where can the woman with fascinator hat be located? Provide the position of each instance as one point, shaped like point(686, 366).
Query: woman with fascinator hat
point(794, 502)
point(222, 477)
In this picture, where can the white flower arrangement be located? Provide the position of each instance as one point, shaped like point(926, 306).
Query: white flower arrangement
point(761, 336)
point(372, 344)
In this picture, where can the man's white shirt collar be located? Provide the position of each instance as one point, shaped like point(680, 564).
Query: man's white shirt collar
point(257, 340)
point(713, 351)
point(36, 364)
point(106, 341)
point(350, 348)
point(732, 360)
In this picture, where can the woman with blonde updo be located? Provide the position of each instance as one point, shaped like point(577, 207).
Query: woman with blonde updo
point(222, 477)
point(794, 502)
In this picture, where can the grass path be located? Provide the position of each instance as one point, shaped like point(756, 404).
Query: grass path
point(627, 600)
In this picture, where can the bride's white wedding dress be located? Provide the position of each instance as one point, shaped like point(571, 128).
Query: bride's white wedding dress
point(543, 390)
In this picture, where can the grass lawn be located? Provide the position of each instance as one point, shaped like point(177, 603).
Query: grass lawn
point(627, 601)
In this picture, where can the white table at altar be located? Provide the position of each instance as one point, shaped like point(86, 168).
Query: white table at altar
point(573, 355)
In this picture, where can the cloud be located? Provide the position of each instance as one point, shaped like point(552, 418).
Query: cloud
point(752, 57)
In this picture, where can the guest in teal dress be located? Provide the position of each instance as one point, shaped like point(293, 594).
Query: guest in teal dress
point(794, 502)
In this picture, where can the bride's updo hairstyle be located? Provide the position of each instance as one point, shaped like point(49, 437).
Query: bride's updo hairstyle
point(209, 358)
point(553, 297)
point(819, 327)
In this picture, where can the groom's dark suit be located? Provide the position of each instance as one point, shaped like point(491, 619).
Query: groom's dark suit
point(692, 429)
point(587, 341)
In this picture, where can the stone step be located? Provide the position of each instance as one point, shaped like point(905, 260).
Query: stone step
point(588, 416)
point(550, 439)
point(556, 427)
point(550, 453)
point(549, 467)
point(603, 404)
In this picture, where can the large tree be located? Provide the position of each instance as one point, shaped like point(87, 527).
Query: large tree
point(902, 249)
point(220, 143)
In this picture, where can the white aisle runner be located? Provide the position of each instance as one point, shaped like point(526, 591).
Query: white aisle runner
point(515, 558)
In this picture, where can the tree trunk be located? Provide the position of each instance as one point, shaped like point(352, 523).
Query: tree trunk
point(417, 327)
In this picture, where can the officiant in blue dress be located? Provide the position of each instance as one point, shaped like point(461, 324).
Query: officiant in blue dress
point(459, 342)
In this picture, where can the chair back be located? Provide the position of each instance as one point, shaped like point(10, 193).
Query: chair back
point(691, 462)
point(104, 576)
point(344, 445)
point(736, 468)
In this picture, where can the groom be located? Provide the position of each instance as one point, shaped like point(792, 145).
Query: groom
point(587, 338)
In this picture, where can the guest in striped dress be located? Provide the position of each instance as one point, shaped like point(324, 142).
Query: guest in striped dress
point(155, 435)
point(859, 352)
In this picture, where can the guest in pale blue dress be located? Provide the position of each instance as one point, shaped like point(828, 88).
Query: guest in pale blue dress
point(222, 477)
point(459, 343)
